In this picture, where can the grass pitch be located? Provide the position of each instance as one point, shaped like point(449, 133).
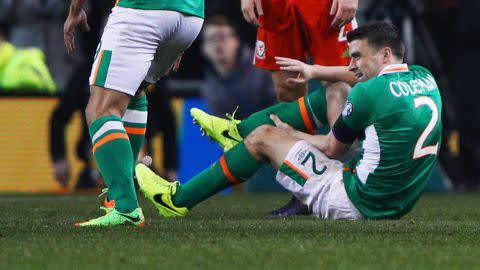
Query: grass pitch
point(235, 232)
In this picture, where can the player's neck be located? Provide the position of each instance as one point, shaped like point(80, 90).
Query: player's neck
point(393, 61)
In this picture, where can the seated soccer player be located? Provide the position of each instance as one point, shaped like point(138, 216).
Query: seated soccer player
point(394, 110)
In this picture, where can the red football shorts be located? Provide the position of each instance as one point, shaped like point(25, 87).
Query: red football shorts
point(298, 29)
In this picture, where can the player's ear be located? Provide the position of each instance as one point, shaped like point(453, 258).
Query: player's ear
point(387, 53)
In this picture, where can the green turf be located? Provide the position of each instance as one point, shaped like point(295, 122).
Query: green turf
point(235, 232)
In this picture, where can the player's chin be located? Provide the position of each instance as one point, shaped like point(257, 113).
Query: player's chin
point(360, 76)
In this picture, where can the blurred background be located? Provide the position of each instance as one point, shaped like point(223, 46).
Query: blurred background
point(43, 92)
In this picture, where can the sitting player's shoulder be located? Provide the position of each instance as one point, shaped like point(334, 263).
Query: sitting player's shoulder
point(367, 86)
point(417, 68)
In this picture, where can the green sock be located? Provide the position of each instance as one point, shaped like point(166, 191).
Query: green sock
point(112, 151)
point(236, 166)
point(135, 122)
point(306, 114)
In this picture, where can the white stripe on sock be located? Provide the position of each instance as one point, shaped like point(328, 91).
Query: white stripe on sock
point(134, 116)
point(107, 126)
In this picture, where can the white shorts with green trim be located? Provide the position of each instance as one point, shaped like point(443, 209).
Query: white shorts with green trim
point(139, 45)
point(317, 181)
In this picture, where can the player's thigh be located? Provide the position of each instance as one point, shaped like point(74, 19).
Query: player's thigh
point(128, 45)
point(330, 199)
point(302, 164)
point(169, 50)
point(326, 45)
point(279, 35)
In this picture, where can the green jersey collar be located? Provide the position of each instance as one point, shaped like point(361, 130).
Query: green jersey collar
point(394, 68)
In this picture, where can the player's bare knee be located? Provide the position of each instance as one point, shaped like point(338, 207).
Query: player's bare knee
point(256, 140)
point(252, 144)
point(264, 131)
point(337, 91)
point(258, 136)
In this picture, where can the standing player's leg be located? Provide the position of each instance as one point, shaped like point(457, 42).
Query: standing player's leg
point(135, 119)
point(111, 145)
point(117, 71)
point(122, 67)
point(236, 166)
point(280, 35)
point(164, 59)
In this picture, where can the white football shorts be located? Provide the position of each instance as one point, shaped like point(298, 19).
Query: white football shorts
point(317, 181)
point(139, 45)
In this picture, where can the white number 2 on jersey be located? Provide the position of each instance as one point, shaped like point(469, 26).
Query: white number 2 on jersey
point(421, 151)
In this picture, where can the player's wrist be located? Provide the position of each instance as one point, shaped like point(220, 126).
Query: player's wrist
point(76, 7)
point(74, 12)
point(317, 72)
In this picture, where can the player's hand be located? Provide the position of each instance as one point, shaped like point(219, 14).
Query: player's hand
point(69, 26)
point(344, 11)
point(305, 71)
point(282, 125)
point(251, 9)
point(62, 171)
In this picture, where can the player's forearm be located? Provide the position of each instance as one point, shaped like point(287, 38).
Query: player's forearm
point(334, 74)
point(76, 6)
point(327, 144)
point(319, 141)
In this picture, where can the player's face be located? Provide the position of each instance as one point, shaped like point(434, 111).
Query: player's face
point(366, 62)
point(220, 44)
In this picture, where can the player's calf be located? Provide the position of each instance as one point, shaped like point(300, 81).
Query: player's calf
point(287, 91)
point(105, 102)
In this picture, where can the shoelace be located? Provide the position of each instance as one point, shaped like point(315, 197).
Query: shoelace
point(104, 191)
point(232, 116)
point(106, 209)
point(175, 185)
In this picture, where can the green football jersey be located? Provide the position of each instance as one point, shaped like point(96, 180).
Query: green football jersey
point(399, 112)
point(192, 7)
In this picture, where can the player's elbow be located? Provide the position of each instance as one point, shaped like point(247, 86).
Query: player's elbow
point(335, 150)
point(331, 153)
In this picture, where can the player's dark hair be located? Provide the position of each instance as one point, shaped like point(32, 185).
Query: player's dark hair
point(220, 20)
point(379, 35)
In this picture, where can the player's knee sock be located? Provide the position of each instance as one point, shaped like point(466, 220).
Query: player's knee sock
point(236, 166)
point(306, 114)
point(135, 122)
point(112, 151)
